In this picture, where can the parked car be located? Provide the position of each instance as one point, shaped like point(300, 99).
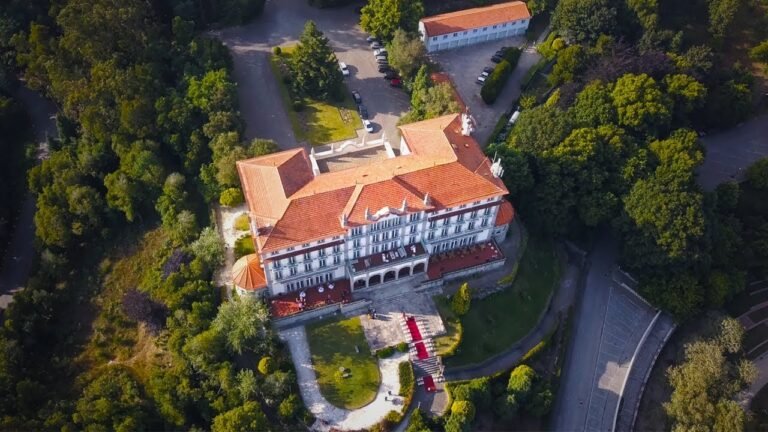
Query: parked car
point(344, 68)
point(371, 39)
point(391, 75)
point(375, 45)
point(484, 74)
point(363, 111)
point(356, 96)
point(396, 82)
point(481, 79)
point(384, 68)
point(368, 126)
point(381, 57)
point(488, 69)
point(496, 59)
point(380, 51)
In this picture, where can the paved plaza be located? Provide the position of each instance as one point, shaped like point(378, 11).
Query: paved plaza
point(385, 329)
point(328, 416)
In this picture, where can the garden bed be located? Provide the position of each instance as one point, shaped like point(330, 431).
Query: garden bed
point(347, 373)
point(318, 122)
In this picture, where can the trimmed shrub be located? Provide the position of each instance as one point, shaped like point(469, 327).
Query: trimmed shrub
point(407, 380)
point(495, 82)
point(231, 197)
point(266, 365)
point(461, 300)
point(453, 348)
point(242, 223)
point(385, 352)
point(477, 391)
point(402, 347)
point(512, 55)
point(521, 382)
point(277, 51)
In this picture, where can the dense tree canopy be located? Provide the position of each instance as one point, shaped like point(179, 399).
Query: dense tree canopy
point(382, 18)
point(314, 68)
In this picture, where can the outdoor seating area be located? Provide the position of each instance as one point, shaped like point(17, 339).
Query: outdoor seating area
point(462, 258)
point(310, 298)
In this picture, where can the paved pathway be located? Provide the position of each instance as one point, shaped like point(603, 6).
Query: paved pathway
point(561, 302)
point(20, 253)
point(328, 415)
point(729, 153)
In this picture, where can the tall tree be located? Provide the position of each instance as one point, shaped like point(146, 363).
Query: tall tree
point(406, 53)
point(583, 21)
point(382, 18)
point(314, 67)
point(640, 103)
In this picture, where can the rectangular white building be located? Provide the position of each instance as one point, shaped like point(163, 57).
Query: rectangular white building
point(473, 26)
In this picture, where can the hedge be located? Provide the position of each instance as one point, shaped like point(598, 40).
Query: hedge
point(496, 80)
point(385, 352)
point(452, 349)
point(402, 347)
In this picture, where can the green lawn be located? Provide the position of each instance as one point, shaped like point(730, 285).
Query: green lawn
point(320, 122)
point(498, 321)
point(244, 246)
point(452, 334)
point(332, 344)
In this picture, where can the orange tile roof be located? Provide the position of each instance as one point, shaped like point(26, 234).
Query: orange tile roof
point(506, 213)
point(473, 18)
point(444, 164)
point(248, 274)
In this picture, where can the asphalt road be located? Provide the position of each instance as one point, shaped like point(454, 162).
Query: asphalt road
point(18, 258)
point(570, 411)
point(729, 153)
point(281, 24)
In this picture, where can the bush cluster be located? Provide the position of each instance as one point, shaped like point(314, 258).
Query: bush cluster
point(385, 352)
point(231, 197)
point(402, 347)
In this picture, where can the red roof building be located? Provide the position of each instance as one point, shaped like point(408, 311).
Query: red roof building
point(476, 25)
point(441, 192)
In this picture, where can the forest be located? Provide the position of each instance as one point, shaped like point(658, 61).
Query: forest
point(119, 327)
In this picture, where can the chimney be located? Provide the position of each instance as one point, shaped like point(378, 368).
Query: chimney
point(427, 201)
point(466, 125)
point(404, 205)
point(367, 214)
point(496, 169)
point(344, 220)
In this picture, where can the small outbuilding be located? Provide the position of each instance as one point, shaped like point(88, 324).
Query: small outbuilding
point(473, 26)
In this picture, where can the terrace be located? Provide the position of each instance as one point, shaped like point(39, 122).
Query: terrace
point(463, 258)
point(314, 297)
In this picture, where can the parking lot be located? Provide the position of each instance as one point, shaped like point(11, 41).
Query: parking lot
point(465, 64)
point(281, 24)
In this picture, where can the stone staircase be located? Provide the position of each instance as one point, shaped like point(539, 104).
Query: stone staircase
point(430, 366)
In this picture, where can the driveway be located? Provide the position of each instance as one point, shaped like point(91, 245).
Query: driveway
point(18, 258)
point(729, 153)
point(466, 63)
point(281, 24)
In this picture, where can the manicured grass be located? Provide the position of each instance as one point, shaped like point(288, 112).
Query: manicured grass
point(320, 122)
point(496, 322)
point(242, 223)
point(244, 246)
point(332, 344)
point(444, 344)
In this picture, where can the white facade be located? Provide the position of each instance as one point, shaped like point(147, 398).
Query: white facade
point(355, 256)
point(472, 36)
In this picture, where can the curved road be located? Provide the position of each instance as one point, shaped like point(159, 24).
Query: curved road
point(728, 154)
point(18, 258)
